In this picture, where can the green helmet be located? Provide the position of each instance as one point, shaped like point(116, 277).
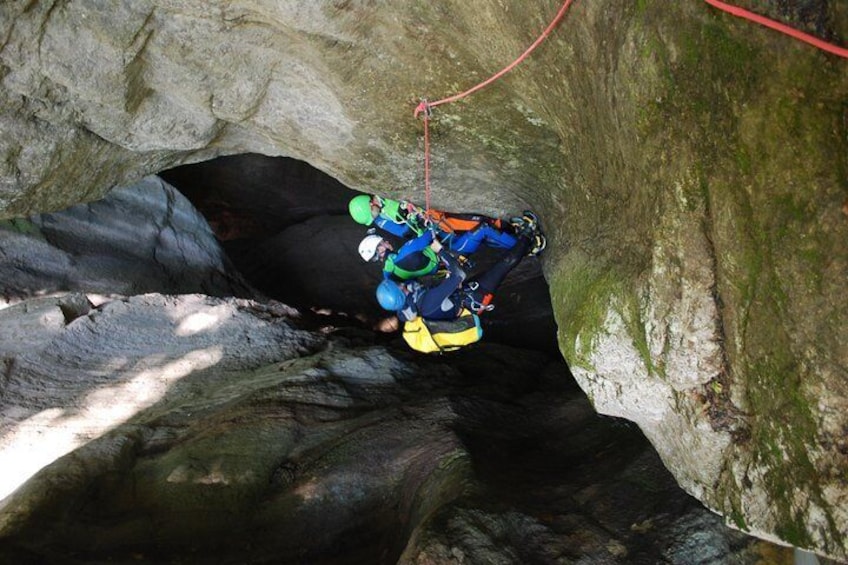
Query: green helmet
point(360, 209)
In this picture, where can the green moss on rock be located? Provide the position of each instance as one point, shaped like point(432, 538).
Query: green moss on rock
point(20, 225)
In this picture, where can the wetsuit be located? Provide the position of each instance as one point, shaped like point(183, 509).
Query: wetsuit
point(470, 241)
point(446, 299)
point(414, 259)
point(462, 233)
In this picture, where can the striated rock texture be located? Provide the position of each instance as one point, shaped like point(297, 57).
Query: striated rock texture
point(143, 238)
point(690, 170)
point(193, 429)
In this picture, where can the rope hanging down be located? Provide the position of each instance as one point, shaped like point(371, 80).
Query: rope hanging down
point(792, 32)
point(425, 107)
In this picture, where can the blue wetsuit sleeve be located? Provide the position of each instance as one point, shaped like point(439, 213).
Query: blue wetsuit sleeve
point(416, 245)
point(394, 228)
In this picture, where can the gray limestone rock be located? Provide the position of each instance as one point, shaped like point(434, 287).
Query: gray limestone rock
point(689, 167)
point(138, 239)
point(196, 429)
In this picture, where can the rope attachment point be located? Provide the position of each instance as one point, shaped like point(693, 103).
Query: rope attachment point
point(424, 108)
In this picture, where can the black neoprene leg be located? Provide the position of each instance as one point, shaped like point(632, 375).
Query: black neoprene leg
point(489, 281)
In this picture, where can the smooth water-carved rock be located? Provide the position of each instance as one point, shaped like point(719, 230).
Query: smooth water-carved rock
point(143, 238)
point(197, 429)
point(635, 126)
point(200, 429)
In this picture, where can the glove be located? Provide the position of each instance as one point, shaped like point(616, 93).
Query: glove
point(406, 209)
point(415, 222)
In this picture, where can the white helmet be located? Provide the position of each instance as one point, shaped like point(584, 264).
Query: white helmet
point(368, 247)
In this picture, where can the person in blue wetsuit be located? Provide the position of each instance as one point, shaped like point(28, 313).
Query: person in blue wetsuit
point(445, 298)
point(462, 233)
point(414, 259)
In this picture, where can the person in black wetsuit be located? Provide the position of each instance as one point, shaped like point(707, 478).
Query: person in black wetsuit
point(445, 299)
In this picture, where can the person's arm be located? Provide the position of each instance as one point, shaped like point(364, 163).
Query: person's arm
point(416, 245)
point(432, 300)
point(451, 263)
point(403, 213)
point(394, 228)
point(414, 216)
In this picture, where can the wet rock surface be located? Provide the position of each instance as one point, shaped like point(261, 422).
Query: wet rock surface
point(689, 168)
point(141, 239)
point(248, 441)
point(196, 429)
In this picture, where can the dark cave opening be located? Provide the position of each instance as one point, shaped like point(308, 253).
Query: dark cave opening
point(546, 469)
point(286, 228)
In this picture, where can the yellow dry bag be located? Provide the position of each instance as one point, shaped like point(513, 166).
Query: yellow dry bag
point(437, 336)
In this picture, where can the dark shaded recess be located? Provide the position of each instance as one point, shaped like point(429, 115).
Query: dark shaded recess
point(553, 482)
point(808, 15)
point(285, 226)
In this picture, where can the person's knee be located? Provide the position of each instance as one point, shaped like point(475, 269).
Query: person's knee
point(514, 256)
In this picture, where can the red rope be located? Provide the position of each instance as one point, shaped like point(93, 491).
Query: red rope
point(425, 106)
point(792, 32)
point(427, 157)
point(547, 31)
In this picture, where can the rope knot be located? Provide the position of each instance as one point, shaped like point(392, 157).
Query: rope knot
point(424, 107)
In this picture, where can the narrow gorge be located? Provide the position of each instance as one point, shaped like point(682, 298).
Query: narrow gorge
point(193, 364)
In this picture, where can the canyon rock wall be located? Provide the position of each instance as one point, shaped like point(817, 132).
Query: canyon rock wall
point(191, 428)
point(689, 168)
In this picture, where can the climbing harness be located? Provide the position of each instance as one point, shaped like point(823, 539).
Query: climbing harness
point(405, 274)
point(471, 302)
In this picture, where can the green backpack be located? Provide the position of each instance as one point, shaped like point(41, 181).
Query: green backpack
point(397, 212)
